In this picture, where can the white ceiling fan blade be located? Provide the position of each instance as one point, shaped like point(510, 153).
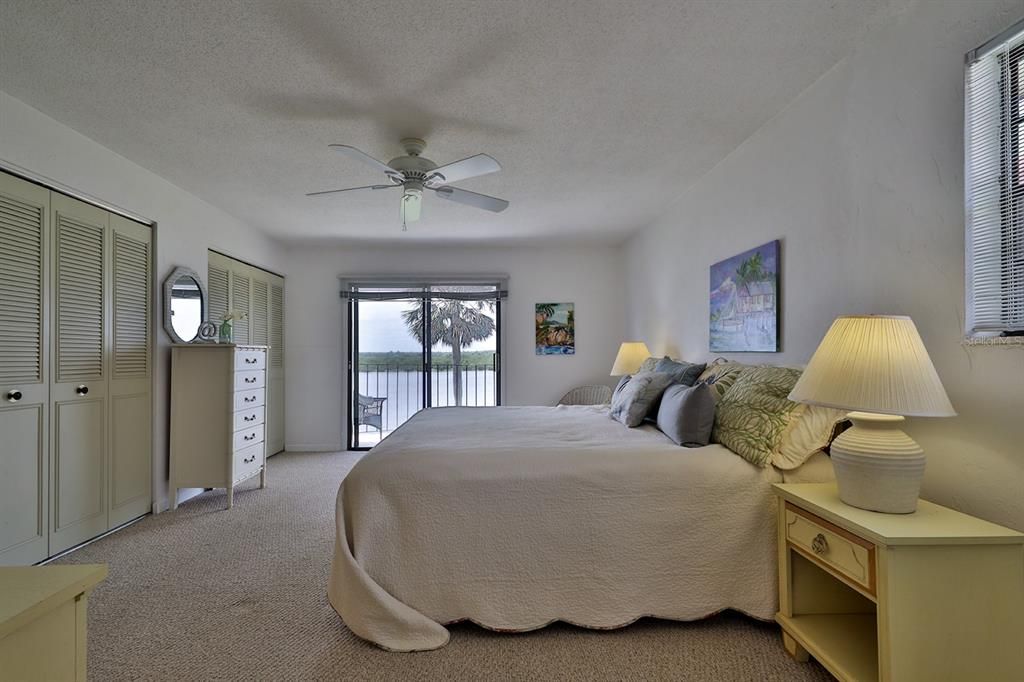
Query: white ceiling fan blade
point(411, 204)
point(464, 196)
point(474, 166)
point(362, 156)
point(349, 189)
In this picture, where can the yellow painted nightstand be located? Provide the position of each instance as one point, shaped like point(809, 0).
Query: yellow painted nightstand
point(933, 595)
point(42, 620)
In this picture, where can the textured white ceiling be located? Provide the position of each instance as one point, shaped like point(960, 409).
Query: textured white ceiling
point(598, 110)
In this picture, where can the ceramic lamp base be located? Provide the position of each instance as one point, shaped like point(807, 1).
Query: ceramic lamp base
point(878, 467)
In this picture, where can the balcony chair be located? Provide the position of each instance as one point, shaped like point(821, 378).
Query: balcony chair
point(370, 411)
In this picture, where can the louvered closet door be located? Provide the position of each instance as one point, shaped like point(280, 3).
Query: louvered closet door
point(24, 465)
point(218, 279)
point(240, 302)
point(275, 367)
point(131, 421)
point(77, 392)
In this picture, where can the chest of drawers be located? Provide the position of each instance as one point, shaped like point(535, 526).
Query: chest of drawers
point(218, 416)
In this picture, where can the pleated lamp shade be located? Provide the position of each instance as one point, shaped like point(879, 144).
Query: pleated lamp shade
point(629, 358)
point(873, 363)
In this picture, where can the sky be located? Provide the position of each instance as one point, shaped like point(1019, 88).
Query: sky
point(381, 329)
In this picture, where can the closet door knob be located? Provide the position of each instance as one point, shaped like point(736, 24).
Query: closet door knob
point(13, 396)
point(82, 390)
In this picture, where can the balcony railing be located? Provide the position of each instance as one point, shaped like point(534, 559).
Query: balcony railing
point(402, 388)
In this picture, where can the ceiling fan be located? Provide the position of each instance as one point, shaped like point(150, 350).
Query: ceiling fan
point(414, 173)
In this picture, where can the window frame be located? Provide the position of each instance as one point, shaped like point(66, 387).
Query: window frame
point(1011, 171)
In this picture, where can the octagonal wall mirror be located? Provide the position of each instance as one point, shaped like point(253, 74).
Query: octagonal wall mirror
point(185, 306)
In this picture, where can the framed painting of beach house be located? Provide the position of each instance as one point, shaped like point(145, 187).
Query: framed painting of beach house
point(745, 302)
point(555, 328)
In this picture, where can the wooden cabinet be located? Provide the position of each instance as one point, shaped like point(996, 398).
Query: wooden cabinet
point(75, 371)
point(43, 621)
point(218, 401)
point(234, 285)
point(933, 595)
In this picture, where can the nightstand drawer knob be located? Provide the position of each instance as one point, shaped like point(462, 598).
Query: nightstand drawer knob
point(819, 544)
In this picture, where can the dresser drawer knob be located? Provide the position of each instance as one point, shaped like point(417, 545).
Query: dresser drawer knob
point(250, 418)
point(250, 361)
point(249, 437)
point(13, 396)
point(250, 380)
point(82, 390)
point(819, 544)
point(249, 400)
point(249, 460)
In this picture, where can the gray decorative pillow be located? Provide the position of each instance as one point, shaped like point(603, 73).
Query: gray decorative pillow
point(650, 363)
point(634, 399)
point(685, 373)
point(687, 414)
point(622, 383)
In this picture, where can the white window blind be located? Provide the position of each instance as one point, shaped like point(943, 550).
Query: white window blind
point(994, 184)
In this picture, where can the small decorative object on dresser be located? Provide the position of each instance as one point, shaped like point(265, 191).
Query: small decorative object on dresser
point(218, 403)
point(42, 620)
point(877, 366)
point(936, 595)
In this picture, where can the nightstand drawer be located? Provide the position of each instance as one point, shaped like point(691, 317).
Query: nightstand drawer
point(841, 551)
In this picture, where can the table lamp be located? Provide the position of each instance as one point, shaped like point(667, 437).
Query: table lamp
point(629, 358)
point(876, 366)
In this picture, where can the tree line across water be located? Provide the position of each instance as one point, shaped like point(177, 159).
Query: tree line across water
point(408, 361)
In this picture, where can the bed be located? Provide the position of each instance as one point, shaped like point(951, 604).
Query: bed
point(516, 517)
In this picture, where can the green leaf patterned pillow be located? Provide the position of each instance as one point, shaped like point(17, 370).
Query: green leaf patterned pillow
point(754, 413)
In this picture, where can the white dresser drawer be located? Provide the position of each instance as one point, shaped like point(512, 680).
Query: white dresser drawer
point(248, 436)
point(247, 462)
point(250, 359)
point(250, 417)
point(247, 380)
point(247, 399)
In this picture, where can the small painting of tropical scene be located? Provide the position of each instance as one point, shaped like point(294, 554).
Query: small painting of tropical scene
point(556, 329)
point(744, 301)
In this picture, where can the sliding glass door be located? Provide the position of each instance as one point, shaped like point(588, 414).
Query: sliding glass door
point(434, 344)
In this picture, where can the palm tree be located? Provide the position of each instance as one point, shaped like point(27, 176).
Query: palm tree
point(751, 270)
point(453, 323)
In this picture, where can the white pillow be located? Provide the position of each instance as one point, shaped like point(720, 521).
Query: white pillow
point(808, 432)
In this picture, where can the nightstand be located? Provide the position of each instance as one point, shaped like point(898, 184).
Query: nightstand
point(933, 595)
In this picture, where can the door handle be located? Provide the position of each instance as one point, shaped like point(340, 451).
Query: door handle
point(82, 390)
point(13, 396)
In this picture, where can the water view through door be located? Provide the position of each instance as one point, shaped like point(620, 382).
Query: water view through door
point(410, 348)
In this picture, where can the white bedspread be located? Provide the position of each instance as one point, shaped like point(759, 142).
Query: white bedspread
point(515, 517)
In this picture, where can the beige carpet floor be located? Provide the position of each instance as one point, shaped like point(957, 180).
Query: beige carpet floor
point(207, 594)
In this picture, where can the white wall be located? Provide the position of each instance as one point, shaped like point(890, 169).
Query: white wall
point(861, 177)
point(186, 225)
point(589, 276)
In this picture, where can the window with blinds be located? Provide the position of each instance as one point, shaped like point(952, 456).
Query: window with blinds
point(994, 185)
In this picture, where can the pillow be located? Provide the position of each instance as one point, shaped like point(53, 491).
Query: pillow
point(687, 414)
point(722, 374)
point(618, 387)
point(753, 414)
point(633, 401)
point(811, 431)
point(685, 373)
point(650, 363)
